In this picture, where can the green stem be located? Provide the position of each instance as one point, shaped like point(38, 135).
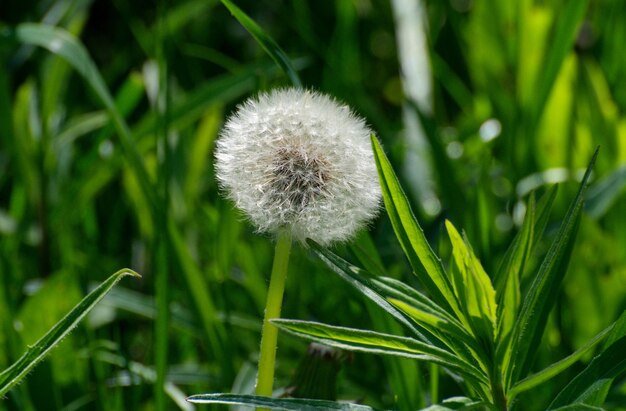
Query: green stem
point(434, 383)
point(269, 333)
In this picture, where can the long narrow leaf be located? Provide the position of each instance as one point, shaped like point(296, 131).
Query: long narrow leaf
point(41, 348)
point(289, 404)
point(558, 367)
point(507, 283)
point(353, 276)
point(425, 263)
point(480, 298)
point(592, 384)
point(378, 343)
point(268, 44)
point(569, 20)
point(542, 294)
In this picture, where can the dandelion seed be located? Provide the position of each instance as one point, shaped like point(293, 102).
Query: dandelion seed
point(299, 161)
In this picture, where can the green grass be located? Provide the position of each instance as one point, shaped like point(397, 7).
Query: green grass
point(108, 116)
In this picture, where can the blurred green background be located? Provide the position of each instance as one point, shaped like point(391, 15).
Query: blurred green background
point(499, 99)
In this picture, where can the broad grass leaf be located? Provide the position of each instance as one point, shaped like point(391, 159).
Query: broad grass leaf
point(378, 343)
point(543, 290)
point(39, 350)
point(290, 404)
point(569, 20)
point(507, 279)
point(473, 287)
point(41, 311)
point(265, 41)
point(425, 263)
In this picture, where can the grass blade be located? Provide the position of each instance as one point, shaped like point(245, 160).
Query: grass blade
point(265, 41)
point(542, 293)
point(558, 367)
point(41, 348)
point(356, 278)
point(590, 385)
point(289, 404)
point(378, 343)
point(570, 18)
point(425, 263)
point(593, 383)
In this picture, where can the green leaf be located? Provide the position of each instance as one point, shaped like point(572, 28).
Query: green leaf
point(569, 20)
point(473, 287)
point(544, 289)
point(392, 288)
point(452, 334)
point(41, 348)
point(592, 384)
point(358, 279)
point(558, 367)
point(425, 263)
point(509, 275)
point(437, 322)
point(507, 282)
point(378, 343)
point(460, 404)
point(276, 403)
point(265, 41)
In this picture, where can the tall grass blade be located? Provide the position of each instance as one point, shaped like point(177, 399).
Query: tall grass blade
point(41, 348)
point(592, 384)
point(265, 41)
point(558, 367)
point(544, 289)
point(569, 20)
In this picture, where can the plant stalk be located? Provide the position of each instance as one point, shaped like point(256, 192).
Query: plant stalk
point(269, 333)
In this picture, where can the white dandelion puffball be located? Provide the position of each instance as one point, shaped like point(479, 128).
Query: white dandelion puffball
point(297, 160)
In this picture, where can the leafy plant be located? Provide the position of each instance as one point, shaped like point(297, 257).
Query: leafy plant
point(478, 329)
point(483, 331)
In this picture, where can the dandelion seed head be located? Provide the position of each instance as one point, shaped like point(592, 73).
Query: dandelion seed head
point(298, 160)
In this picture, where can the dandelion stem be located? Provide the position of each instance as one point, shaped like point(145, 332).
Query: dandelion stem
point(269, 333)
